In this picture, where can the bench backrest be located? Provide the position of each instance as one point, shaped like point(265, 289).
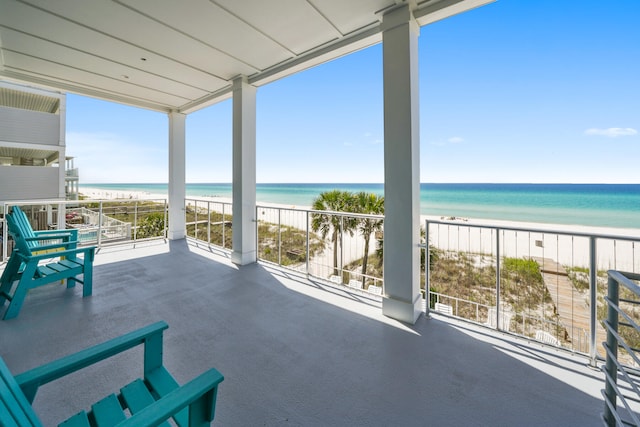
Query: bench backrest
point(15, 410)
point(19, 233)
point(22, 221)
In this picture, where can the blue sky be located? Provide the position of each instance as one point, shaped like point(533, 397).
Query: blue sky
point(515, 91)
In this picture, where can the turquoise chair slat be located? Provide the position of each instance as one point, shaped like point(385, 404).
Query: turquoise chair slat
point(137, 397)
point(15, 409)
point(107, 412)
point(36, 240)
point(81, 419)
point(133, 405)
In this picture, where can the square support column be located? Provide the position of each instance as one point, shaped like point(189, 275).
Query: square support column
point(402, 299)
point(244, 172)
point(62, 164)
point(177, 177)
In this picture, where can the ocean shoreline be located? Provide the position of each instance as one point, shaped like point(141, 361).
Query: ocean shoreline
point(108, 194)
point(476, 235)
point(599, 205)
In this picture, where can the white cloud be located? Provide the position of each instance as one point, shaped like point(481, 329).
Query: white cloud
point(611, 132)
point(455, 140)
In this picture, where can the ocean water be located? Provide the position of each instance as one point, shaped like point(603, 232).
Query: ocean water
point(603, 205)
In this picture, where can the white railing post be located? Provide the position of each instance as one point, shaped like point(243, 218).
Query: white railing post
point(224, 225)
point(427, 270)
point(135, 221)
point(5, 237)
point(308, 246)
point(497, 278)
point(593, 282)
point(341, 244)
point(279, 237)
point(100, 213)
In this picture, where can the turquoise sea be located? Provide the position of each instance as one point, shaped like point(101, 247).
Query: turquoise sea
point(603, 205)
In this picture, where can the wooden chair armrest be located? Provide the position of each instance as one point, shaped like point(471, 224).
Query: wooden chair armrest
point(89, 251)
point(62, 233)
point(200, 394)
point(48, 237)
point(72, 244)
point(29, 381)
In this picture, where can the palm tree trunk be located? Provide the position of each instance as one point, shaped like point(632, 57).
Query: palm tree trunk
point(366, 258)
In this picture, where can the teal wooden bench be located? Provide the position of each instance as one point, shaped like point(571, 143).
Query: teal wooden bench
point(52, 240)
point(33, 264)
point(149, 401)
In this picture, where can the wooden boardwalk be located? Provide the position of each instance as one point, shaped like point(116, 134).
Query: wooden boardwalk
point(571, 306)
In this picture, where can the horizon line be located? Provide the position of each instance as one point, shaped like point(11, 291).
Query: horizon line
point(367, 183)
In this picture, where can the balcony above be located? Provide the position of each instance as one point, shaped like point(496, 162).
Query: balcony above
point(293, 351)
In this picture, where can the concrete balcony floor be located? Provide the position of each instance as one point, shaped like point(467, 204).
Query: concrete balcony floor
point(293, 352)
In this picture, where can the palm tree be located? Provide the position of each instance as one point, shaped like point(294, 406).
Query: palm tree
point(338, 201)
point(368, 203)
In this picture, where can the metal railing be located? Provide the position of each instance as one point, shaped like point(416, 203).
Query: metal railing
point(209, 221)
point(99, 222)
point(550, 284)
point(622, 383)
point(543, 284)
point(546, 285)
point(292, 239)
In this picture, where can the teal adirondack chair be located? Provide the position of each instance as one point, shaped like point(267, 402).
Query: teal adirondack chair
point(150, 401)
point(24, 270)
point(52, 240)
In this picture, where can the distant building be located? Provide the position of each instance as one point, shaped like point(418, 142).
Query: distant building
point(32, 146)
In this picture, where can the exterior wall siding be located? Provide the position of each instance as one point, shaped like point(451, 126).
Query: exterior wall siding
point(29, 183)
point(26, 126)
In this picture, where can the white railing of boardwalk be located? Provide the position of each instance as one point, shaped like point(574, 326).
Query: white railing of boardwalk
point(622, 383)
point(93, 219)
point(571, 267)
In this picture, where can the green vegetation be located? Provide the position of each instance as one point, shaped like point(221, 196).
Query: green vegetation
point(334, 225)
point(522, 286)
point(152, 225)
point(219, 227)
point(124, 211)
point(472, 279)
point(579, 276)
point(368, 203)
point(293, 244)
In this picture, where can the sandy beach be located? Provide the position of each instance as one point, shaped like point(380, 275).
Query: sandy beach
point(566, 244)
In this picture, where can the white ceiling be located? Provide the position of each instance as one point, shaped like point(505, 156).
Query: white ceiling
point(182, 55)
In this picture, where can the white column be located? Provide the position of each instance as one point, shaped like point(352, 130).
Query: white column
point(177, 177)
point(244, 172)
point(402, 299)
point(62, 161)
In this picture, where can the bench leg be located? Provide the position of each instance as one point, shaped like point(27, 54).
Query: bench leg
point(16, 302)
point(9, 275)
point(87, 279)
point(5, 288)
